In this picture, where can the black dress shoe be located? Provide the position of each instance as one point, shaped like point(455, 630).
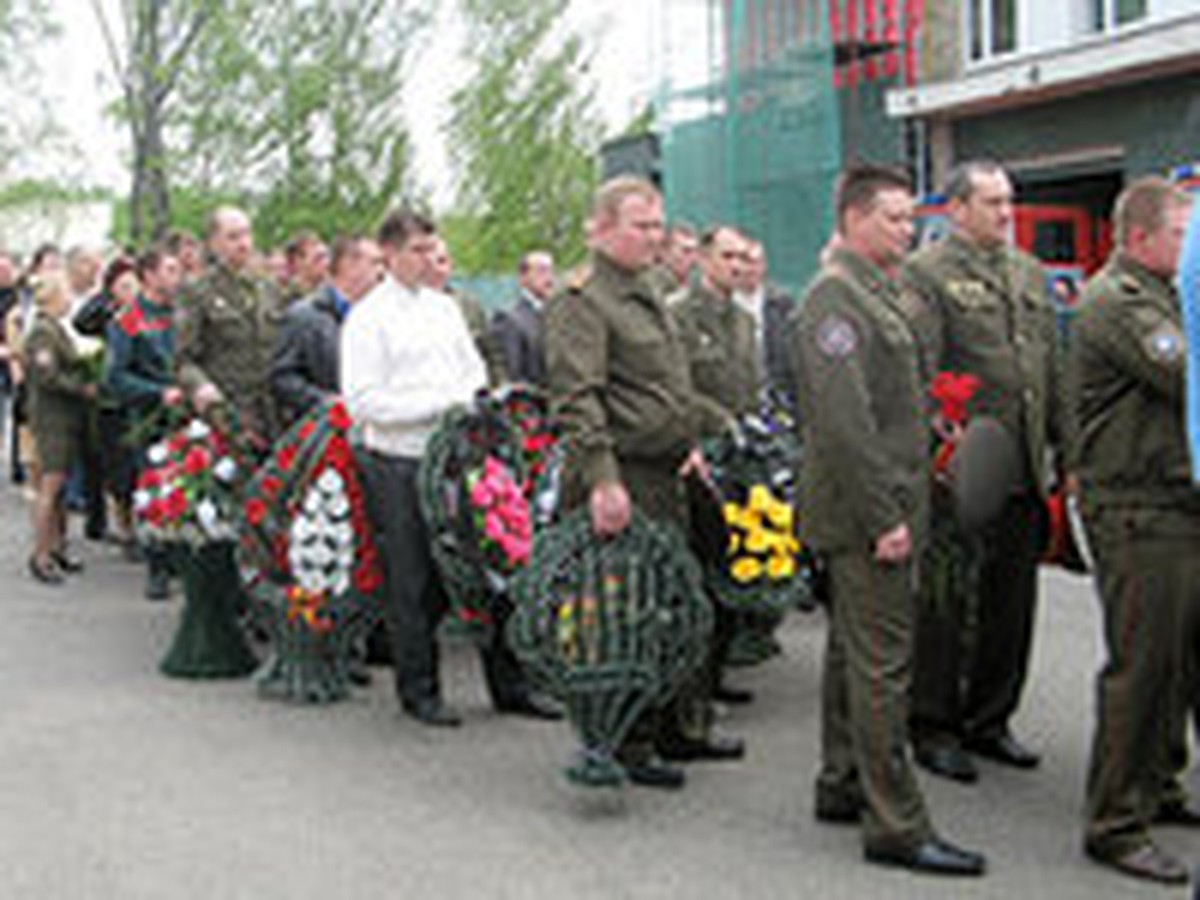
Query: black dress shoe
point(533, 706)
point(46, 573)
point(935, 856)
point(433, 712)
point(654, 773)
point(1177, 812)
point(837, 807)
point(717, 748)
point(1005, 749)
point(946, 760)
point(1148, 862)
point(66, 562)
point(732, 695)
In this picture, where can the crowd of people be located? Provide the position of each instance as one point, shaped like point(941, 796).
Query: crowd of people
point(664, 337)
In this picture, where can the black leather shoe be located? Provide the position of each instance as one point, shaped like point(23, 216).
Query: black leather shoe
point(654, 773)
point(733, 696)
point(533, 706)
point(837, 807)
point(1177, 812)
point(434, 713)
point(66, 562)
point(947, 761)
point(717, 748)
point(935, 856)
point(1148, 862)
point(1004, 749)
point(47, 573)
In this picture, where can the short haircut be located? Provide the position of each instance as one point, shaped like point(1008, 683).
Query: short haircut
point(344, 246)
point(176, 240)
point(710, 235)
point(77, 253)
point(960, 183)
point(120, 266)
point(214, 219)
point(300, 243)
point(527, 260)
point(677, 228)
point(1143, 204)
point(152, 257)
point(606, 203)
point(860, 183)
point(401, 225)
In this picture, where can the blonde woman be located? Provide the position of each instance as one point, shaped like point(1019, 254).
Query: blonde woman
point(58, 395)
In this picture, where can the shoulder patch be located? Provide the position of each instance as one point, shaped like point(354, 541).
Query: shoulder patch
point(1165, 345)
point(836, 337)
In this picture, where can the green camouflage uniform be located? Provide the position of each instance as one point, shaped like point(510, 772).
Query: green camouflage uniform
point(226, 336)
point(1127, 365)
point(860, 391)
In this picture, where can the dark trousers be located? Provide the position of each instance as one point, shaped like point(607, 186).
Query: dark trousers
point(971, 684)
point(413, 603)
point(91, 462)
point(1148, 578)
point(414, 599)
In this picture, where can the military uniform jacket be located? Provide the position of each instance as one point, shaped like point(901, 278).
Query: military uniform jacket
point(140, 354)
point(618, 375)
point(57, 381)
point(860, 390)
point(722, 349)
point(226, 335)
point(988, 313)
point(1127, 370)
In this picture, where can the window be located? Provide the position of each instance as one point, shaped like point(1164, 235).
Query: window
point(1107, 14)
point(992, 27)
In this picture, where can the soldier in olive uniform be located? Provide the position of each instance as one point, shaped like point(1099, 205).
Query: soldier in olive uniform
point(227, 322)
point(860, 388)
point(986, 312)
point(1127, 366)
point(619, 384)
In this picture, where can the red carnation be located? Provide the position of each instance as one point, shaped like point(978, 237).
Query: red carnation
point(367, 579)
point(150, 479)
point(339, 417)
point(953, 392)
point(286, 457)
point(271, 485)
point(154, 512)
point(256, 511)
point(177, 443)
point(198, 460)
point(176, 504)
point(306, 430)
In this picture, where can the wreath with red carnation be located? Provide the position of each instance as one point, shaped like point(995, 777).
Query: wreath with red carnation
point(308, 557)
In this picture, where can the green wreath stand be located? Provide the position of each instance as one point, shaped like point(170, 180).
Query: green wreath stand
point(500, 424)
point(311, 631)
point(611, 628)
point(210, 641)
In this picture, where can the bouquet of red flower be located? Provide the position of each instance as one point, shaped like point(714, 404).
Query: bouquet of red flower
point(953, 394)
point(188, 492)
point(308, 556)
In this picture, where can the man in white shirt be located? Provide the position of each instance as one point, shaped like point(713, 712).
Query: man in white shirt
point(406, 358)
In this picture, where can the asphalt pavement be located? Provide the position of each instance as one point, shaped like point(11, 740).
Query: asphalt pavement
point(117, 783)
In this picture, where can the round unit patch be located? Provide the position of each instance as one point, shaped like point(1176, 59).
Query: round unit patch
point(836, 337)
point(1165, 344)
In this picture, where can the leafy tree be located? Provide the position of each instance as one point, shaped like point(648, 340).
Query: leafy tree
point(294, 106)
point(523, 136)
point(27, 125)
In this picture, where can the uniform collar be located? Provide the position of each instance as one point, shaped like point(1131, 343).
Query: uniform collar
point(862, 269)
point(1123, 264)
point(624, 281)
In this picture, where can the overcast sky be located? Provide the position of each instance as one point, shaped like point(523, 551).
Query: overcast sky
point(623, 32)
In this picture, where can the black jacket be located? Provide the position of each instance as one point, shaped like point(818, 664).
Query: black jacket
point(776, 349)
point(518, 332)
point(304, 366)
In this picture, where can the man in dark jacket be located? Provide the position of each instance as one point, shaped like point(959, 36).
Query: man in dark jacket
point(304, 365)
point(517, 331)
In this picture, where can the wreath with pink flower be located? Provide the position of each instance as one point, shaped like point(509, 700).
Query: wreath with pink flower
point(488, 477)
